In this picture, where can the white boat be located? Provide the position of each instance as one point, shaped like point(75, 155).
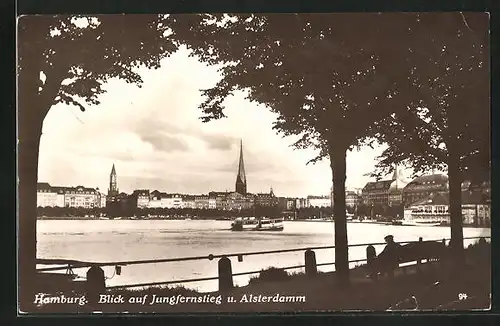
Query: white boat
point(253, 224)
point(244, 224)
point(270, 224)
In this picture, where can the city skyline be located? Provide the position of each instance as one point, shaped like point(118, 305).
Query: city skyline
point(157, 141)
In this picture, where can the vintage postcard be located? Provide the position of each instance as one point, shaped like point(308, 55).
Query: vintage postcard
point(253, 163)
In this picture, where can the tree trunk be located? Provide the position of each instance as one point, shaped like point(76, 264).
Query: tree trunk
point(455, 194)
point(338, 166)
point(29, 133)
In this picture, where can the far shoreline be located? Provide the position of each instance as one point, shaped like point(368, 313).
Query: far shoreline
point(73, 218)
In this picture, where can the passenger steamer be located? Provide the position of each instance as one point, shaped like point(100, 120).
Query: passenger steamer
point(253, 224)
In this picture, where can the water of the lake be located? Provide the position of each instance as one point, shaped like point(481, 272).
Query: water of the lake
point(125, 240)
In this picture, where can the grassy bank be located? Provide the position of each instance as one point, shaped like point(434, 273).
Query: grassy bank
point(440, 286)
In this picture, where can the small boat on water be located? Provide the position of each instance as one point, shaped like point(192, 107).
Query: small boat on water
point(253, 224)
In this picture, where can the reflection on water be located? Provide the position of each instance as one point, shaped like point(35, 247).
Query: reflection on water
point(108, 240)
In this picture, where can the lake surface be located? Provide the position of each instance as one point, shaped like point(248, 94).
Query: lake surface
point(122, 240)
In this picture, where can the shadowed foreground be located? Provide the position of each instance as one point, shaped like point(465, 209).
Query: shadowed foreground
point(438, 287)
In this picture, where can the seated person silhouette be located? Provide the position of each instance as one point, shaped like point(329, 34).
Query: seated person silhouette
point(388, 259)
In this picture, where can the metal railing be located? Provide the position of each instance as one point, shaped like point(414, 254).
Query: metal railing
point(75, 264)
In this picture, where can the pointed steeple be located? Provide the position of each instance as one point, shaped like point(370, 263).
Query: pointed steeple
point(113, 187)
point(241, 179)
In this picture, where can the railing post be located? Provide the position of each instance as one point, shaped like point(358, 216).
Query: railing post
point(310, 262)
point(95, 284)
point(371, 254)
point(225, 274)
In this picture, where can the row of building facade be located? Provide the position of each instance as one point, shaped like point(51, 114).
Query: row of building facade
point(79, 196)
point(396, 191)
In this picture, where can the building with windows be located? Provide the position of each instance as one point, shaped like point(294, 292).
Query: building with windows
point(422, 187)
point(435, 208)
point(217, 199)
point(238, 201)
point(102, 199)
point(81, 196)
point(301, 203)
point(201, 202)
point(140, 198)
point(188, 201)
point(212, 202)
point(48, 196)
point(319, 201)
point(155, 199)
point(352, 199)
point(385, 192)
point(265, 199)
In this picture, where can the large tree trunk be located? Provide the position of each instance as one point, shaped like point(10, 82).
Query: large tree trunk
point(29, 132)
point(32, 109)
point(338, 166)
point(455, 208)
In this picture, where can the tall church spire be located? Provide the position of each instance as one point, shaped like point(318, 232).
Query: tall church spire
point(241, 179)
point(113, 188)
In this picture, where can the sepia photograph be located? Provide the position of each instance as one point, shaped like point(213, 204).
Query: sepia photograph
point(253, 163)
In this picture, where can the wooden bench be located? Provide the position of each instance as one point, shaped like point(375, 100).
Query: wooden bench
point(387, 262)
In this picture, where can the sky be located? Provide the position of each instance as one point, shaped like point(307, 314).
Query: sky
point(156, 140)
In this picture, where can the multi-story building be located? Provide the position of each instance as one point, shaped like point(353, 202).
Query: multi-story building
point(164, 200)
point(265, 200)
point(202, 202)
point(238, 201)
point(155, 199)
point(81, 196)
point(352, 199)
point(301, 203)
point(140, 198)
point(46, 196)
point(188, 201)
point(212, 202)
point(172, 201)
point(219, 197)
point(423, 186)
point(143, 198)
point(291, 204)
point(319, 201)
point(435, 208)
point(384, 192)
point(101, 199)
